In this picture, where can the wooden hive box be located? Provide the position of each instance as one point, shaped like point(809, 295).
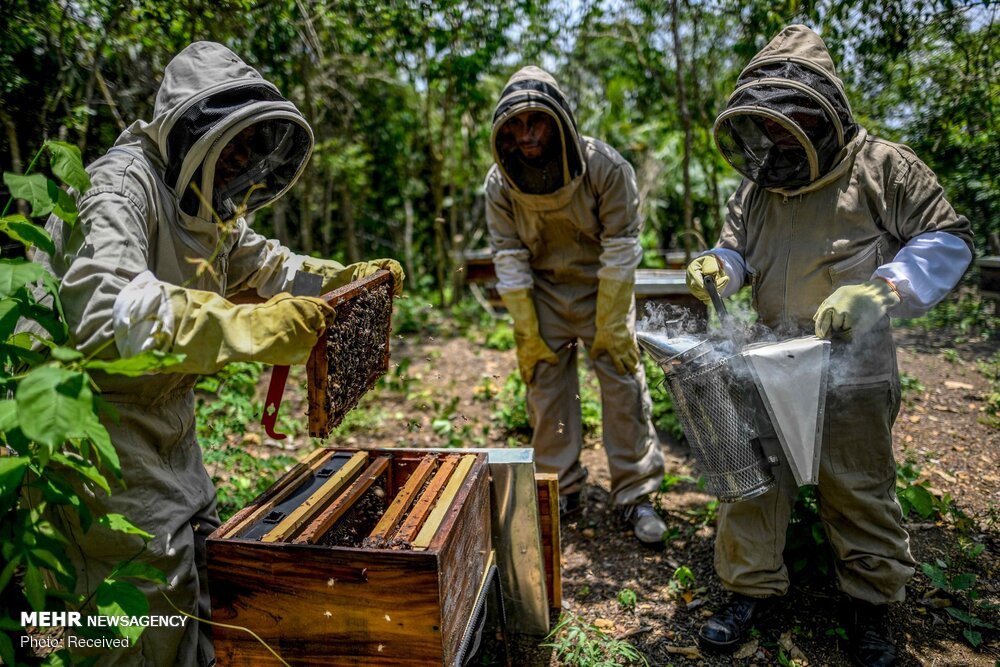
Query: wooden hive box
point(355, 558)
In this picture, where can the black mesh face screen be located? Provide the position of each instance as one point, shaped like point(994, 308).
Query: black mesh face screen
point(823, 86)
point(257, 165)
point(771, 151)
point(203, 116)
point(763, 151)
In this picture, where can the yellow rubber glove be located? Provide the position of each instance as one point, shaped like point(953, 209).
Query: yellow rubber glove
point(706, 265)
point(614, 298)
point(854, 309)
point(531, 349)
point(213, 332)
point(337, 275)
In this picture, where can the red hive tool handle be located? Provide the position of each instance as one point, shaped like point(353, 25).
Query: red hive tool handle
point(275, 390)
point(304, 284)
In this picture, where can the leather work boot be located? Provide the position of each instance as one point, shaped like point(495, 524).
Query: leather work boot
point(870, 635)
point(646, 523)
point(730, 625)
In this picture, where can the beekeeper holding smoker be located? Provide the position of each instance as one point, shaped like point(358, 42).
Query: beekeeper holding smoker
point(834, 230)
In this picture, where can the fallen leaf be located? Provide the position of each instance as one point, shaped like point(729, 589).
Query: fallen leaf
point(746, 650)
point(945, 476)
point(951, 384)
point(690, 652)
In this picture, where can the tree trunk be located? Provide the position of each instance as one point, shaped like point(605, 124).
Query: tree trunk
point(685, 115)
point(350, 228)
point(10, 127)
point(305, 185)
point(279, 221)
point(408, 237)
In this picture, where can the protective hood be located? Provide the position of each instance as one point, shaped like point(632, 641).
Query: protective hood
point(207, 98)
point(788, 123)
point(534, 89)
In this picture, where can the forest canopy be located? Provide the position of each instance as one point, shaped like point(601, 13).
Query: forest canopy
point(401, 95)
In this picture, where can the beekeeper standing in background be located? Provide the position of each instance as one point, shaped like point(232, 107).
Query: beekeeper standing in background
point(834, 230)
point(161, 242)
point(563, 217)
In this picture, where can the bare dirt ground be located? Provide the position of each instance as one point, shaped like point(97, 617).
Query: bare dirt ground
point(445, 389)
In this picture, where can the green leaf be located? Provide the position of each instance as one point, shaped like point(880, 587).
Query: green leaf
point(8, 415)
point(21, 229)
point(935, 575)
point(52, 405)
point(34, 189)
point(10, 312)
point(120, 598)
point(137, 570)
point(64, 207)
point(12, 469)
point(919, 499)
point(141, 364)
point(66, 354)
point(50, 560)
point(966, 617)
point(34, 586)
point(973, 637)
point(963, 582)
point(16, 273)
point(86, 469)
point(94, 430)
point(6, 650)
point(67, 164)
point(122, 525)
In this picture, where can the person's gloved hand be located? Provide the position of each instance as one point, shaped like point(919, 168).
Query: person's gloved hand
point(614, 298)
point(706, 265)
point(531, 348)
point(213, 332)
point(854, 309)
point(337, 275)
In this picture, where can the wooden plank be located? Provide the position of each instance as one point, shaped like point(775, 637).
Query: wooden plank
point(443, 503)
point(320, 606)
point(418, 515)
point(547, 485)
point(314, 503)
point(328, 517)
point(397, 509)
point(463, 545)
point(281, 489)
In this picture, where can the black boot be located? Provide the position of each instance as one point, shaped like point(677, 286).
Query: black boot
point(870, 635)
point(729, 627)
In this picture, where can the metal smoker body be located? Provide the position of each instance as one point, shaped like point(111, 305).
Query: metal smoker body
point(733, 400)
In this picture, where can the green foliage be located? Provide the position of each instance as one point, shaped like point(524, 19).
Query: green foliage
point(963, 312)
point(990, 369)
point(501, 337)
point(806, 550)
point(968, 605)
point(60, 451)
point(682, 583)
point(915, 497)
point(579, 644)
point(664, 417)
point(512, 415)
point(224, 406)
point(627, 598)
point(910, 387)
